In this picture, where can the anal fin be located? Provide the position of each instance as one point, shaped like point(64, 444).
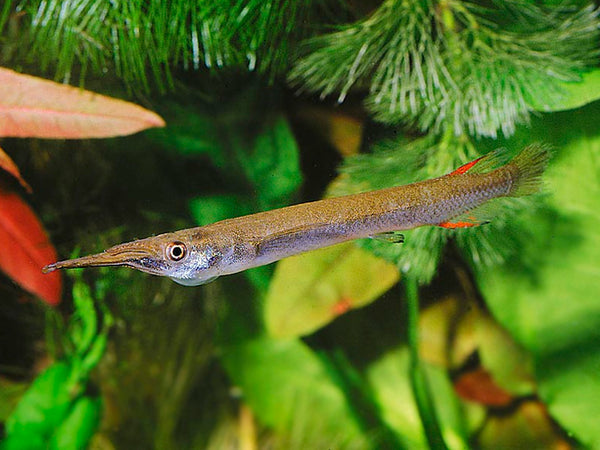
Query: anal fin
point(472, 218)
point(455, 223)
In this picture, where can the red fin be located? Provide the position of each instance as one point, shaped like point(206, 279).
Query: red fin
point(466, 167)
point(460, 224)
point(464, 221)
point(485, 163)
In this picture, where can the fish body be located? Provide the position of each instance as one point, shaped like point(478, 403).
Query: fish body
point(198, 255)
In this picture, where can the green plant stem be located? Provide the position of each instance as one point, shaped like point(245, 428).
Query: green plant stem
point(418, 377)
point(5, 14)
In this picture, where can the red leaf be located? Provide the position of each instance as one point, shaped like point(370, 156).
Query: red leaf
point(25, 248)
point(34, 107)
point(9, 165)
point(478, 386)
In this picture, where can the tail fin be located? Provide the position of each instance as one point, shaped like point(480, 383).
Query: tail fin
point(530, 163)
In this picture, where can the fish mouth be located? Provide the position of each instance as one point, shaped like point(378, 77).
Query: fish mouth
point(126, 255)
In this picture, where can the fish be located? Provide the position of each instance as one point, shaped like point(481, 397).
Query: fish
point(198, 255)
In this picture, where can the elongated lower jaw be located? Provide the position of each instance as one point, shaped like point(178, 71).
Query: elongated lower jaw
point(120, 255)
point(86, 261)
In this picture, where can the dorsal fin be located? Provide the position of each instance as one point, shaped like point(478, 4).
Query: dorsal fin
point(485, 163)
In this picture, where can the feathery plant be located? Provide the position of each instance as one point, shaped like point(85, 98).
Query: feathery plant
point(144, 40)
point(453, 63)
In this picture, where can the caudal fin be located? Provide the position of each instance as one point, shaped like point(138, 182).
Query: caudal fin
point(531, 164)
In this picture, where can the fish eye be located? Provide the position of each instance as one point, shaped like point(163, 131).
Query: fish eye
point(176, 251)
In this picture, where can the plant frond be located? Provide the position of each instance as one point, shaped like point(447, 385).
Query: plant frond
point(145, 41)
point(453, 64)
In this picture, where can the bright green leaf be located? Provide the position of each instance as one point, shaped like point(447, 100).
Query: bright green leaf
point(190, 132)
point(547, 295)
point(210, 209)
point(574, 94)
point(311, 289)
point(389, 378)
point(10, 393)
point(289, 388)
point(245, 136)
point(45, 404)
point(79, 426)
point(83, 323)
point(273, 165)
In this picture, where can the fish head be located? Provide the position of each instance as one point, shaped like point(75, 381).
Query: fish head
point(187, 261)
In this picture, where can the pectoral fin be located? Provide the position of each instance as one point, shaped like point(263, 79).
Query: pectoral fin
point(392, 237)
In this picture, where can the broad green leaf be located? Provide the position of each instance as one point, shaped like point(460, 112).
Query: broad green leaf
point(272, 166)
point(246, 136)
point(311, 289)
point(389, 379)
point(210, 209)
point(192, 131)
point(79, 426)
point(548, 293)
point(45, 404)
point(574, 94)
point(10, 393)
point(84, 322)
point(290, 390)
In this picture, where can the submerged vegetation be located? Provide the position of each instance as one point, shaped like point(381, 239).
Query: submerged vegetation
point(484, 337)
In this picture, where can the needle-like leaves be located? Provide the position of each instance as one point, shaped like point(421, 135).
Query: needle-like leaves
point(453, 65)
point(146, 40)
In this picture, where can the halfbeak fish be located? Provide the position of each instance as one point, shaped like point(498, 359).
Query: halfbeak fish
point(198, 255)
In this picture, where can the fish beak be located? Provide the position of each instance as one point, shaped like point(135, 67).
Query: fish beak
point(137, 254)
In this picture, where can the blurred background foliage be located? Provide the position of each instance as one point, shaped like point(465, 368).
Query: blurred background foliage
point(490, 340)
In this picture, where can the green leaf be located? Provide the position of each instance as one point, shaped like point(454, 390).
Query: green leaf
point(79, 426)
point(389, 379)
point(245, 137)
point(272, 165)
point(83, 324)
point(191, 131)
point(45, 404)
point(290, 390)
point(311, 289)
point(10, 393)
point(547, 293)
point(571, 94)
point(212, 208)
